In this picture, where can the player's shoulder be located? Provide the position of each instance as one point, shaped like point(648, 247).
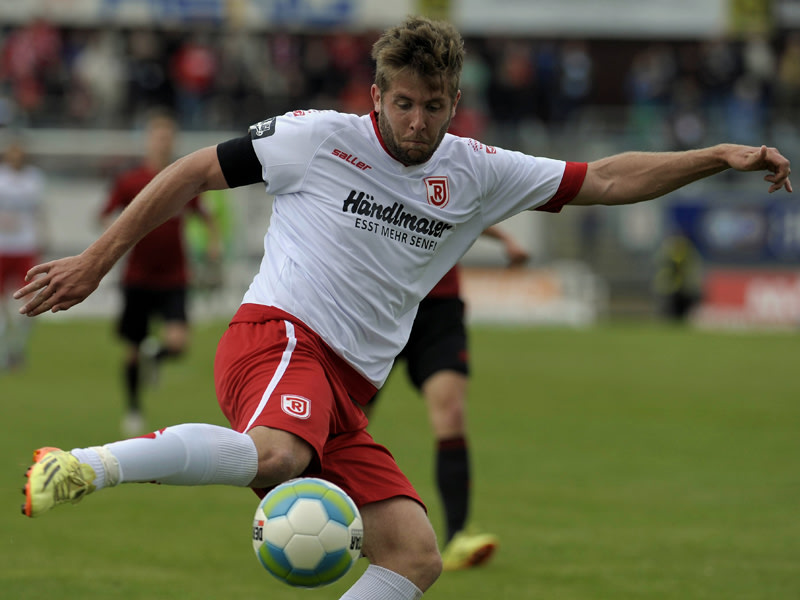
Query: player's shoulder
point(457, 150)
point(319, 122)
point(469, 147)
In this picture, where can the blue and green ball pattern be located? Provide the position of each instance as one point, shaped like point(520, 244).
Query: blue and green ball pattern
point(307, 532)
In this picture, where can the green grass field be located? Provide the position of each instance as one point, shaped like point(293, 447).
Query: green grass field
point(627, 461)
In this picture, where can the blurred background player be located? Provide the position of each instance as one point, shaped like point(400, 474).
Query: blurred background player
point(155, 279)
point(437, 363)
point(679, 277)
point(22, 235)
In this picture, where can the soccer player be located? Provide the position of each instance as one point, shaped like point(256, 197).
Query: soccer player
point(155, 278)
point(369, 213)
point(437, 363)
point(22, 238)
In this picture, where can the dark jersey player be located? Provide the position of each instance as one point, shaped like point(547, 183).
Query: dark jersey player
point(436, 357)
point(155, 278)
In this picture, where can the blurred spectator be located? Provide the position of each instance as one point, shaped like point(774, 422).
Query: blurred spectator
point(648, 84)
point(720, 68)
point(149, 84)
point(31, 68)
point(759, 61)
point(745, 111)
point(574, 81)
point(545, 98)
point(788, 86)
point(99, 69)
point(510, 89)
point(193, 68)
point(687, 126)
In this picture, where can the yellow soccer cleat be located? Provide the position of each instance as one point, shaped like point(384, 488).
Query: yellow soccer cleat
point(56, 477)
point(467, 550)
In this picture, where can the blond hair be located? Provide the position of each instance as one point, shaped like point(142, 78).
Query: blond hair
point(433, 50)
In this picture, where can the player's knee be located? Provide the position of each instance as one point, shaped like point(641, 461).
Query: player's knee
point(428, 566)
point(281, 456)
point(411, 549)
point(422, 562)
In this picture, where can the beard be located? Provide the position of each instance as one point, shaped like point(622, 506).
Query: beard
point(416, 155)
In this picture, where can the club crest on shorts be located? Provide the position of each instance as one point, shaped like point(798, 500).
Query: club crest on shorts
point(296, 406)
point(438, 191)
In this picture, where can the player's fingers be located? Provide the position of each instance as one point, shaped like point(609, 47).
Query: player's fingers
point(779, 180)
point(43, 303)
point(35, 283)
point(34, 286)
point(37, 270)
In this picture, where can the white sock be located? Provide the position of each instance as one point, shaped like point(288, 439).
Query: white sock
point(378, 583)
point(188, 454)
point(105, 466)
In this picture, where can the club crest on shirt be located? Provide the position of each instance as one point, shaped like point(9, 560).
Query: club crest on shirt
point(263, 129)
point(296, 406)
point(438, 191)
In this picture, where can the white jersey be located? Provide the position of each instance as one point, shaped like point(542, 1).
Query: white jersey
point(357, 239)
point(21, 197)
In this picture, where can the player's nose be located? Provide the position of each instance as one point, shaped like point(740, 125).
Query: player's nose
point(417, 120)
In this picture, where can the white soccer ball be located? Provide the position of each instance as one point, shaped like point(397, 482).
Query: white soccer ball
point(307, 532)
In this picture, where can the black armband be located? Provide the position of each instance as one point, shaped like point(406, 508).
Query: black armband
point(239, 163)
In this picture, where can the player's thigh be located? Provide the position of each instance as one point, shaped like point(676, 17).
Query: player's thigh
point(438, 342)
point(132, 325)
point(264, 377)
point(173, 312)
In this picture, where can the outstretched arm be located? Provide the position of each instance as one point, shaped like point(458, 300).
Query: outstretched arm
point(635, 176)
point(65, 282)
point(517, 255)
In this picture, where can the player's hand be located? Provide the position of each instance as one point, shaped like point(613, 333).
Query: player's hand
point(58, 285)
point(746, 158)
point(517, 255)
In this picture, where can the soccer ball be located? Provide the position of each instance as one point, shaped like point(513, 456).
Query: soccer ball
point(307, 532)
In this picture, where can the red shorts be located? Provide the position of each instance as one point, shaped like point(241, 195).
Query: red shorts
point(272, 370)
point(13, 268)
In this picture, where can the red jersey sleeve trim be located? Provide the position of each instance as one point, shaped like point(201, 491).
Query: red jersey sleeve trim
point(571, 182)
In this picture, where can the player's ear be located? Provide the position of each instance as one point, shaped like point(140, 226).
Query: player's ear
point(455, 103)
point(376, 97)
